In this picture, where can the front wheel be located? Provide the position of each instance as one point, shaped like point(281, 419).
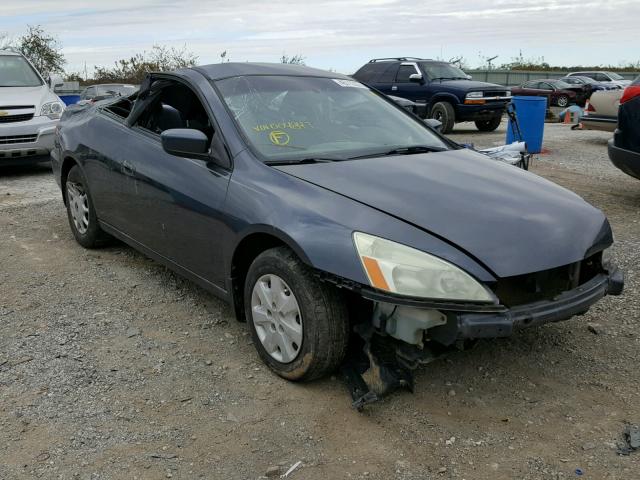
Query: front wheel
point(563, 101)
point(444, 113)
point(299, 324)
point(488, 125)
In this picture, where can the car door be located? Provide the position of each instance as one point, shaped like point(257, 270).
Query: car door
point(174, 203)
point(386, 80)
point(404, 87)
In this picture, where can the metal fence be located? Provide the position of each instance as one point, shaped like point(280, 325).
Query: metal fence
point(513, 77)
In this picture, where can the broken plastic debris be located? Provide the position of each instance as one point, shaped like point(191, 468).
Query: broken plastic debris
point(291, 470)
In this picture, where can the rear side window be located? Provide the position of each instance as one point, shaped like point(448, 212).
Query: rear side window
point(370, 72)
point(389, 75)
point(636, 81)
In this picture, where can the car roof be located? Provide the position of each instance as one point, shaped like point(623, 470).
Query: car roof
point(10, 52)
point(218, 71)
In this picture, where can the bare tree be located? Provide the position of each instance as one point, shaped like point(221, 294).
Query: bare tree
point(294, 60)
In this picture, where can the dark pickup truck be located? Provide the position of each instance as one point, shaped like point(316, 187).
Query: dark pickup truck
point(445, 91)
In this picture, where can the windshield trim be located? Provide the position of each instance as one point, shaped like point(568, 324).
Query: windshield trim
point(249, 145)
point(28, 63)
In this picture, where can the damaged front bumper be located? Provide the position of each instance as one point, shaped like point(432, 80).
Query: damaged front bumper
point(449, 322)
point(405, 333)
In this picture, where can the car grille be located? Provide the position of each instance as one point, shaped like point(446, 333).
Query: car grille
point(18, 153)
point(11, 139)
point(548, 284)
point(16, 118)
point(494, 93)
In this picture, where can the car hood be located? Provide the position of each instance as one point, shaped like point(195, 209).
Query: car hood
point(36, 96)
point(510, 221)
point(470, 85)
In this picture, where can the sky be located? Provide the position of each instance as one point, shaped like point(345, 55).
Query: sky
point(333, 34)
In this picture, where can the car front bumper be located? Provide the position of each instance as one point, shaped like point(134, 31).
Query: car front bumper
point(625, 160)
point(27, 142)
point(492, 321)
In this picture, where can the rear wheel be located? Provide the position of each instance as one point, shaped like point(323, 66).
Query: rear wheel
point(488, 125)
point(80, 212)
point(444, 112)
point(299, 325)
point(562, 101)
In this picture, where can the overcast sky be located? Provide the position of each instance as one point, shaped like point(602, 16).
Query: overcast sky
point(337, 34)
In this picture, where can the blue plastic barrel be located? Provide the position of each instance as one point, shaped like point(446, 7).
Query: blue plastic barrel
point(530, 112)
point(69, 99)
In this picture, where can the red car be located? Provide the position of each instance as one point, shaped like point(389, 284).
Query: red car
point(559, 93)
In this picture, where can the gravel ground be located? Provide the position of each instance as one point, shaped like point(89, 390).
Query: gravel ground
point(111, 366)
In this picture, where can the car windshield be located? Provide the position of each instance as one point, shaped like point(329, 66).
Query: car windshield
point(615, 76)
point(558, 83)
point(15, 71)
point(442, 70)
point(121, 90)
point(297, 118)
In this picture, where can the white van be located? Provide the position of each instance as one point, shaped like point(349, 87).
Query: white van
point(29, 111)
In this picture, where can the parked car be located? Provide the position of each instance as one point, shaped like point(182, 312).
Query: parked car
point(448, 94)
point(624, 147)
point(605, 77)
point(300, 197)
point(29, 111)
point(601, 112)
point(590, 83)
point(558, 93)
point(95, 93)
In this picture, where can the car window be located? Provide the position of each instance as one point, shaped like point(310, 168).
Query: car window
point(389, 75)
point(544, 86)
point(175, 106)
point(404, 72)
point(530, 85)
point(293, 118)
point(601, 77)
point(615, 76)
point(91, 92)
point(15, 71)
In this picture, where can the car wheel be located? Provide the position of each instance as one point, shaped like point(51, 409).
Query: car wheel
point(562, 101)
point(80, 211)
point(488, 125)
point(299, 324)
point(443, 112)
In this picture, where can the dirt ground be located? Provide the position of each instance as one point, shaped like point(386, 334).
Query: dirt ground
point(111, 366)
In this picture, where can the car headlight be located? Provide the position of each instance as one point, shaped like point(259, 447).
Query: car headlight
point(507, 93)
point(404, 270)
point(53, 110)
point(474, 95)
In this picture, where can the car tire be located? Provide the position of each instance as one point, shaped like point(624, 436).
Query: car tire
point(562, 101)
point(444, 112)
point(488, 125)
point(299, 324)
point(80, 212)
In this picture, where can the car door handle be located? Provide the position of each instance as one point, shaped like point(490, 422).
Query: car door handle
point(128, 169)
point(394, 88)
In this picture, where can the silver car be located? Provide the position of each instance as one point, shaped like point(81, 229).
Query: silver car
point(29, 111)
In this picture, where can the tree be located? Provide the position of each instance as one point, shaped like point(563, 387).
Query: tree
point(294, 60)
point(42, 49)
point(134, 69)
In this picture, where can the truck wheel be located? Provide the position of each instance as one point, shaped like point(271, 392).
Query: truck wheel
point(488, 125)
point(299, 324)
point(443, 111)
point(82, 216)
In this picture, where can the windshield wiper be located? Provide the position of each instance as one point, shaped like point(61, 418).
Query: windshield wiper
point(303, 161)
point(410, 150)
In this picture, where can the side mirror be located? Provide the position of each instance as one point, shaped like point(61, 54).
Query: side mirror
point(55, 81)
point(185, 142)
point(469, 77)
point(415, 77)
point(433, 123)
